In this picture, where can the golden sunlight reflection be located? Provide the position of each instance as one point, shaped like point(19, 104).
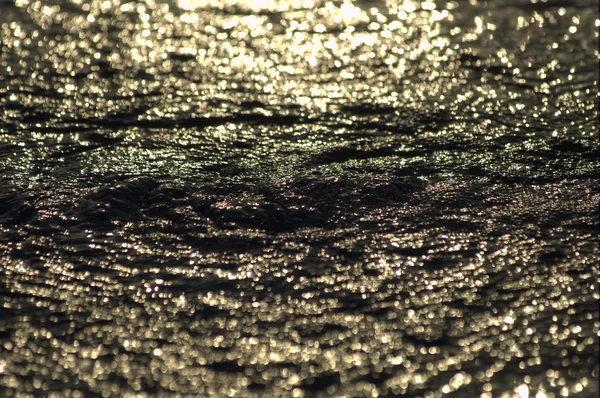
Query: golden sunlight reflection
point(298, 198)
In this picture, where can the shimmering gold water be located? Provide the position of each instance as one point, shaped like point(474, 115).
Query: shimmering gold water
point(303, 198)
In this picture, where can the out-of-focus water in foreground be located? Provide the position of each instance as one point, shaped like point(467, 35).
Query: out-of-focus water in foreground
point(298, 198)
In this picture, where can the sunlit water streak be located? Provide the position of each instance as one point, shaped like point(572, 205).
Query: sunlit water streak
point(307, 198)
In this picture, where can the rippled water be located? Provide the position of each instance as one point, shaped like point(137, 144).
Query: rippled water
point(298, 198)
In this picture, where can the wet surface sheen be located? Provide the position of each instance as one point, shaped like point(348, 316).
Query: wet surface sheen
point(304, 198)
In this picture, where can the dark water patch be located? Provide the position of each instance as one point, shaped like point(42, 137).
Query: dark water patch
point(68, 152)
point(368, 109)
point(573, 148)
point(344, 154)
point(305, 202)
point(118, 203)
point(16, 207)
point(226, 366)
point(269, 217)
point(320, 381)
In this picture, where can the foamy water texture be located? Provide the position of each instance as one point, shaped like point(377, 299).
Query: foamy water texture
point(298, 198)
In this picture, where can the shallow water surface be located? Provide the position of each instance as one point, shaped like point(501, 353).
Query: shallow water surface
point(298, 198)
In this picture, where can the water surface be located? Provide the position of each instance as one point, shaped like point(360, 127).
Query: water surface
point(303, 198)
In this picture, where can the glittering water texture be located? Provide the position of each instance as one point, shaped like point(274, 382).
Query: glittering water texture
point(298, 198)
